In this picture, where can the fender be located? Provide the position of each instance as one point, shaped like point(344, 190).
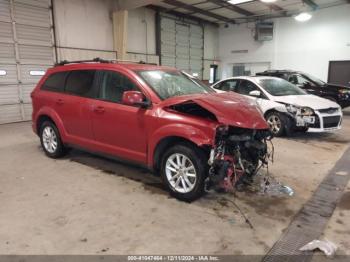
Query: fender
point(188, 132)
point(54, 116)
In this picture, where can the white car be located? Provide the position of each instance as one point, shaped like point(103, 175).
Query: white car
point(286, 107)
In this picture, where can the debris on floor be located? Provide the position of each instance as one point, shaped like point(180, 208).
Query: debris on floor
point(266, 184)
point(270, 186)
point(327, 247)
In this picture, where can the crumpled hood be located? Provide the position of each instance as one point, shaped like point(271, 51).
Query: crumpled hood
point(315, 102)
point(229, 108)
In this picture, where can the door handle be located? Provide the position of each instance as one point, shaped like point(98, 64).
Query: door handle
point(99, 109)
point(59, 102)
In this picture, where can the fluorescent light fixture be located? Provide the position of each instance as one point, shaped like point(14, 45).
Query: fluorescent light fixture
point(268, 1)
point(303, 17)
point(236, 2)
point(37, 72)
point(3, 72)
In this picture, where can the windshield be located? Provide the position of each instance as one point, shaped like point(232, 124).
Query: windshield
point(280, 87)
point(172, 83)
point(314, 79)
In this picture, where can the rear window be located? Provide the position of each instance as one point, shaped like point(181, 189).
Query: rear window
point(80, 82)
point(55, 82)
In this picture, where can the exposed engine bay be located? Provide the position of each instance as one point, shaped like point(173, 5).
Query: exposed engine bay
point(238, 155)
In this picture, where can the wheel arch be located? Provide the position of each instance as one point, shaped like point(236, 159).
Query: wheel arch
point(169, 141)
point(41, 119)
point(49, 114)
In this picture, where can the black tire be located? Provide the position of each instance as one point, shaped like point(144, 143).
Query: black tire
point(199, 161)
point(285, 124)
point(60, 150)
point(302, 129)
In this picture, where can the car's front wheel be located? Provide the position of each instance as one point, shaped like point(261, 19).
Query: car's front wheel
point(183, 170)
point(51, 141)
point(279, 124)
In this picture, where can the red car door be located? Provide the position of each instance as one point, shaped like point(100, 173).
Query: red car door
point(119, 129)
point(74, 105)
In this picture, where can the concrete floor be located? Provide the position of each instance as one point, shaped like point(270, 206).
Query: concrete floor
point(84, 204)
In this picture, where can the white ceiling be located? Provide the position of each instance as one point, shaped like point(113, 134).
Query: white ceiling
point(258, 9)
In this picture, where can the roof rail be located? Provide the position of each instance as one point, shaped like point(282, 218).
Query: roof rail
point(276, 70)
point(101, 60)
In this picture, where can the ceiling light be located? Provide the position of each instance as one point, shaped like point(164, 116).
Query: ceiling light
point(303, 17)
point(236, 2)
point(268, 1)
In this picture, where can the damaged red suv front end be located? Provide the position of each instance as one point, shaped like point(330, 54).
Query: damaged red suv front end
point(237, 135)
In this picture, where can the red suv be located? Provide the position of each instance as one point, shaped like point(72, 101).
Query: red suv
point(155, 116)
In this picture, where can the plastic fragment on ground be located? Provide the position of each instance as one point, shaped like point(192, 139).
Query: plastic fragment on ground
point(327, 247)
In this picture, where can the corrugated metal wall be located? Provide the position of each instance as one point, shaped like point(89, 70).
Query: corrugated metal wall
point(26, 51)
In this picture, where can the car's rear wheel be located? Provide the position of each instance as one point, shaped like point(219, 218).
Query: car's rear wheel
point(278, 123)
point(183, 170)
point(51, 140)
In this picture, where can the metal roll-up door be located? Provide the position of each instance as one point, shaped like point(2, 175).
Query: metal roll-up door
point(181, 44)
point(26, 51)
point(168, 45)
point(196, 50)
point(182, 50)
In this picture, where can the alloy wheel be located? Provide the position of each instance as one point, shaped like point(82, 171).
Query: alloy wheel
point(274, 123)
point(181, 173)
point(49, 139)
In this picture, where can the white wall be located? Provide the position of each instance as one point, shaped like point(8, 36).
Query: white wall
point(305, 46)
point(211, 48)
point(142, 31)
point(87, 24)
point(211, 42)
point(84, 24)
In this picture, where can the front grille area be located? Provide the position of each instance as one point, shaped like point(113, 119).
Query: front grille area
point(317, 122)
point(331, 121)
point(330, 110)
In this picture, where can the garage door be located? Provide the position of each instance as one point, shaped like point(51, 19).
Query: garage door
point(26, 51)
point(181, 45)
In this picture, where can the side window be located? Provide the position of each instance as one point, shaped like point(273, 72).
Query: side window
point(228, 85)
point(55, 82)
point(293, 79)
point(81, 83)
point(245, 87)
point(302, 80)
point(298, 80)
point(113, 85)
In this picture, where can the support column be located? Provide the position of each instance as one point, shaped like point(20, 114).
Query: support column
point(120, 33)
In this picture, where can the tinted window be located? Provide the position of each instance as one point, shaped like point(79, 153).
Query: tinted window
point(298, 80)
point(55, 82)
point(172, 83)
point(280, 87)
point(113, 85)
point(245, 87)
point(229, 85)
point(80, 83)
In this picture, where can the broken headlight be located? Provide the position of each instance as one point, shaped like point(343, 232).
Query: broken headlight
point(344, 91)
point(296, 110)
point(292, 109)
point(306, 111)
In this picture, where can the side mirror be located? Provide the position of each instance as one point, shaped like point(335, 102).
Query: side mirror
point(255, 93)
point(135, 98)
